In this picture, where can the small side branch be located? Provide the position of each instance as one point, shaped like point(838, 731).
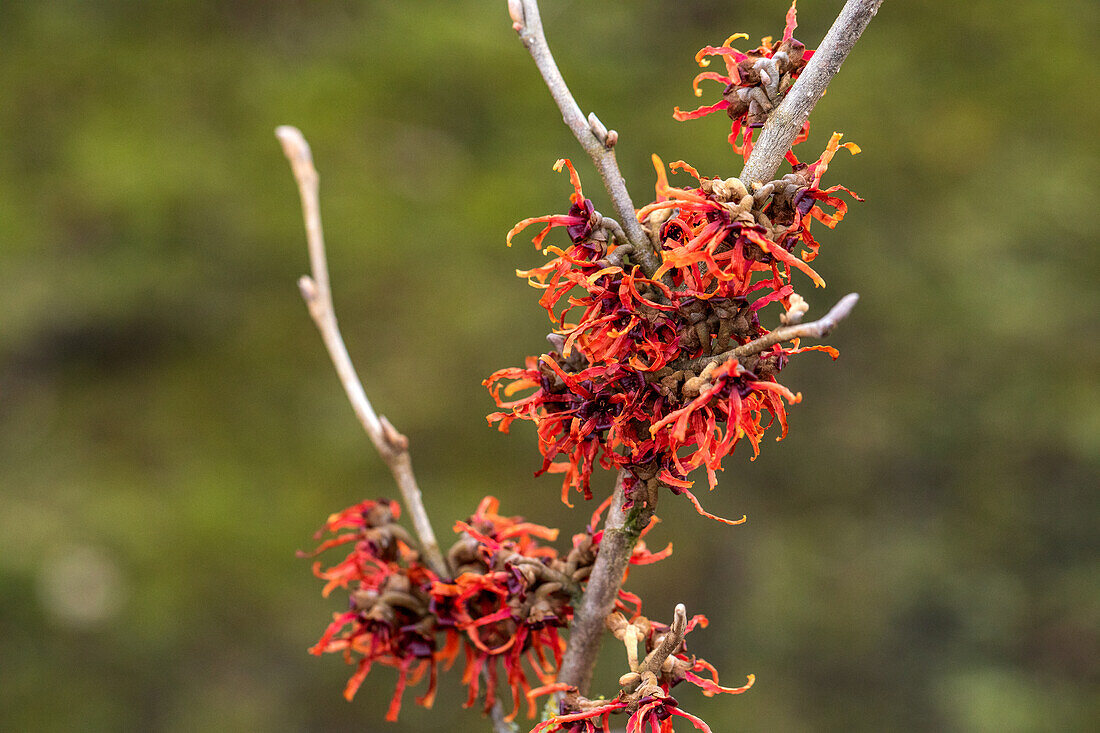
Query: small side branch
point(593, 136)
point(391, 445)
point(786, 120)
point(815, 329)
point(621, 532)
point(670, 642)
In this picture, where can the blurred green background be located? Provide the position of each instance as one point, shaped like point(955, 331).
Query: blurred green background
point(921, 553)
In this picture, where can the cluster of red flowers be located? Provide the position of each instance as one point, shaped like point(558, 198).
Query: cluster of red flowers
point(508, 597)
point(754, 82)
point(502, 602)
point(630, 385)
point(645, 694)
point(389, 620)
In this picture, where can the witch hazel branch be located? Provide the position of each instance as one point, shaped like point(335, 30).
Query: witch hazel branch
point(670, 326)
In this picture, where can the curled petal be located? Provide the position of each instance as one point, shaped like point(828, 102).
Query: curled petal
point(551, 221)
point(356, 681)
point(699, 724)
point(816, 347)
point(645, 557)
point(398, 692)
point(679, 165)
point(822, 163)
point(679, 115)
point(744, 518)
point(784, 256)
point(595, 520)
point(577, 196)
point(711, 75)
point(732, 55)
point(711, 688)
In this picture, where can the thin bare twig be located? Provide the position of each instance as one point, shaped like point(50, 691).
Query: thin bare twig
point(814, 329)
point(593, 136)
point(621, 532)
point(391, 445)
point(786, 120)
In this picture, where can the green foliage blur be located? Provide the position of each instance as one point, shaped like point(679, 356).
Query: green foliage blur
point(921, 552)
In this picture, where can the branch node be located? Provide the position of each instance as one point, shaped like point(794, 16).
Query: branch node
point(308, 289)
point(396, 440)
point(607, 138)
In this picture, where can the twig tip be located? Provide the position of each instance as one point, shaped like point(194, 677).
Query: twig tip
point(291, 138)
point(297, 151)
point(284, 132)
point(844, 307)
point(679, 619)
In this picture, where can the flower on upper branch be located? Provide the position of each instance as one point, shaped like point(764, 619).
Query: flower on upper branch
point(755, 81)
point(621, 319)
point(630, 383)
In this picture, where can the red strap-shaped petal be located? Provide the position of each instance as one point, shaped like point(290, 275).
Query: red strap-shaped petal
point(680, 116)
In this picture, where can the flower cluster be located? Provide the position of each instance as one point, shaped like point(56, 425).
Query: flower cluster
point(506, 601)
point(655, 373)
point(645, 690)
point(389, 620)
point(508, 598)
point(755, 82)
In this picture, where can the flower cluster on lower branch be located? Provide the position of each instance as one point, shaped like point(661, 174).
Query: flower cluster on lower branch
point(509, 596)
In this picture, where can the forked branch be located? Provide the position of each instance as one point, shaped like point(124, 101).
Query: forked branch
point(391, 445)
point(786, 120)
